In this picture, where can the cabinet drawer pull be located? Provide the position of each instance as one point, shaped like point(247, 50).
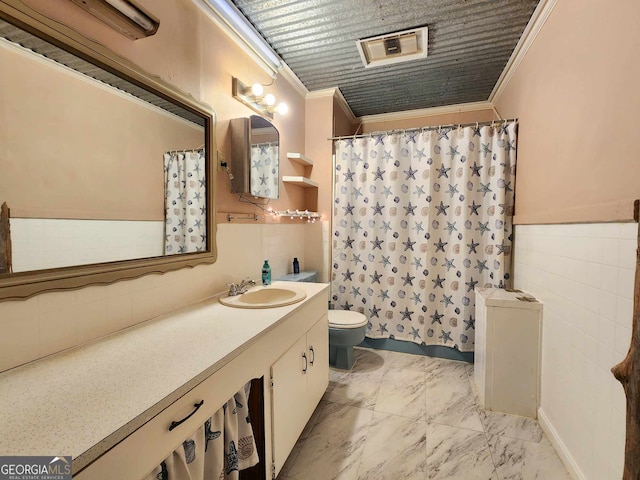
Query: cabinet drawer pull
point(313, 359)
point(196, 408)
point(306, 363)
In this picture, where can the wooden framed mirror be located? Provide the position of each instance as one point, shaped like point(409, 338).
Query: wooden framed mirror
point(107, 171)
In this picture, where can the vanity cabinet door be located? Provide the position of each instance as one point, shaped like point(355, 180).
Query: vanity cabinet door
point(318, 352)
point(289, 400)
point(299, 379)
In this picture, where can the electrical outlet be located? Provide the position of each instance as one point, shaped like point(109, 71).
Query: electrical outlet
point(222, 161)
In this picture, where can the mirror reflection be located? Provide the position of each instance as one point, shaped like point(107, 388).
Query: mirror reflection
point(94, 168)
point(254, 161)
point(264, 158)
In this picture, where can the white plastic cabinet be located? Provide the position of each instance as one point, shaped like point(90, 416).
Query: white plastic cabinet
point(299, 379)
point(318, 371)
point(507, 351)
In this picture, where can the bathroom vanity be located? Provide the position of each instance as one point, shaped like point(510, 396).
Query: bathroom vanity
point(109, 404)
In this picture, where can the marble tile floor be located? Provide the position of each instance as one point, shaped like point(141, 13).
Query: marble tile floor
point(402, 416)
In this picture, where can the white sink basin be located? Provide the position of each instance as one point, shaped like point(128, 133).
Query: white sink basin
point(265, 297)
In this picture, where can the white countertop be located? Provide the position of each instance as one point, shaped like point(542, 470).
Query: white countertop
point(83, 401)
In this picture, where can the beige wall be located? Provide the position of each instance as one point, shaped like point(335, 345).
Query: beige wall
point(369, 126)
point(190, 52)
point(576, 97)
point(325, 118)
point(70, 147)
point(319, 115)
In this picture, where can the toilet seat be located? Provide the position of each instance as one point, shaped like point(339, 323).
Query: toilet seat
point(346, 319)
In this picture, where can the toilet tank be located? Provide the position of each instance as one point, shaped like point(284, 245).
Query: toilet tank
point(309, 276)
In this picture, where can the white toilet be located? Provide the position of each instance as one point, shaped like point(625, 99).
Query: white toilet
point(346, 329)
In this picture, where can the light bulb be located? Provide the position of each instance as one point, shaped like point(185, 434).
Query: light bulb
point(269, 99)
point(282, 108)
point(257, 89)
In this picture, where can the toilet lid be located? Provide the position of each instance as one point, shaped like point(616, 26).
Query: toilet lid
point(346, 319)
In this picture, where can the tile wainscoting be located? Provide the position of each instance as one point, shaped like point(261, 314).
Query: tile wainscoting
point(40, 243)
point(583, 274)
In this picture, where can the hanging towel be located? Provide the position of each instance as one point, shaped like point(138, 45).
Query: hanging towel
point(218, 450)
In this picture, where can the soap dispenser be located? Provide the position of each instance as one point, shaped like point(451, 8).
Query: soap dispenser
point(296, 265)
point(266, 273)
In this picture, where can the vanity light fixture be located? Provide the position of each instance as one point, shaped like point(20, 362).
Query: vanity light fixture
point(252, 97)
point(124, 16)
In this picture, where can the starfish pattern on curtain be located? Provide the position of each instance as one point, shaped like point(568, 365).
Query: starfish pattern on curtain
point(185, 204)
point(264, 169)
point(420, 219)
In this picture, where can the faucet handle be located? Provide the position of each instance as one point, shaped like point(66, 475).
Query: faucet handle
point(233, 288)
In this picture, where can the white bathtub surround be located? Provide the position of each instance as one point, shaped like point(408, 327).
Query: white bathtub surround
point(583, 274)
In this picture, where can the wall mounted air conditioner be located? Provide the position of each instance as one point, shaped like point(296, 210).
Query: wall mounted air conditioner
point(122, 15)
point(394, 47)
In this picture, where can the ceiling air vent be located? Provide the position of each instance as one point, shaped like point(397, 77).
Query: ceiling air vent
point(393, 47)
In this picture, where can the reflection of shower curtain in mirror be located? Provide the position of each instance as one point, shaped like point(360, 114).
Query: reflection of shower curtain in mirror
point(264, 170)
point(185, 202)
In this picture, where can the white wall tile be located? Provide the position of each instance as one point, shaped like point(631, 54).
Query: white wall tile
point(584, 276)
point(54, 333)
point(624, 310)
point(609, 278)
point(19, 342)
point(52, 243)
point(625, 282)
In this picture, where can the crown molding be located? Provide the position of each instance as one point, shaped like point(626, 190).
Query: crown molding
point(426, 112)
point(337, 94)
point(325, 92)
point(538, 19)
point(287, 74)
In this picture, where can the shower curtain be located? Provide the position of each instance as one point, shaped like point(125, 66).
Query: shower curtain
point(185, 202)
point(421, 218)
point(220, 448)
point(264, 169)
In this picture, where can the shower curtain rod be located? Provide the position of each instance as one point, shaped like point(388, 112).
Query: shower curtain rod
point(424, 129)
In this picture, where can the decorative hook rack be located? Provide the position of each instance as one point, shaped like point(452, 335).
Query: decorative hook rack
point(311, 217)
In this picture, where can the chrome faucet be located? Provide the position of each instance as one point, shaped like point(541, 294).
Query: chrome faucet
point(242, 287)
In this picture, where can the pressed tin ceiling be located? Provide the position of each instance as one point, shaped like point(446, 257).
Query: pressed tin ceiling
point(470, 42)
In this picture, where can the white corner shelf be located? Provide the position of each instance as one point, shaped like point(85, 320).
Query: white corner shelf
point(300, 181)
point(300, 158)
